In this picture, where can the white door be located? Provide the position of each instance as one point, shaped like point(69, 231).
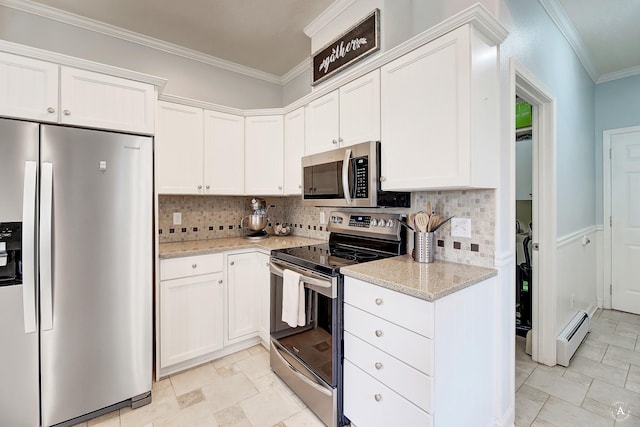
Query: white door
point(223, 153)
point(293, 151)
point(360, 110)
point(321, 124)
point(625, 229)
point(242, 297)
point(264, 155)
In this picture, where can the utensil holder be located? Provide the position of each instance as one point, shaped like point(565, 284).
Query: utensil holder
point(423, 246)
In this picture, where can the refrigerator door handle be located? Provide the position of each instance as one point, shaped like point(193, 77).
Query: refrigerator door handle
point(46, 213)
point(29, 246)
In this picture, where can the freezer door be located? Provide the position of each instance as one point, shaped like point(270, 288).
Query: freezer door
point(19, 394)
point(96, 332)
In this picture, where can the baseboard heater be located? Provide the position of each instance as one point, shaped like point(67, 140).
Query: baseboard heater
point(571, 337)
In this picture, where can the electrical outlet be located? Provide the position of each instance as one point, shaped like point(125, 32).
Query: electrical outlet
point(461, 227)
point(177, 218)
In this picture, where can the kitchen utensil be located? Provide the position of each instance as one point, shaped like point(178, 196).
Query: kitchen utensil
point(412, 219)
point(254, 222)
point(403, 221)
point(429, 209)
point(434, 220)
point(423, 247)
point(441, 223)
point(422, 221)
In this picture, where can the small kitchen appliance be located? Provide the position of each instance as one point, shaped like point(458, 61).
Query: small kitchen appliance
point(257, 221)
point(309, 358)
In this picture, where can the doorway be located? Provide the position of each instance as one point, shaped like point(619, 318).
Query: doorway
point(621, 172)
point(542, 286)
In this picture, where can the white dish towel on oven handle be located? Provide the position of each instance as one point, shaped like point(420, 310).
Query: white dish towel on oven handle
point(293, 304)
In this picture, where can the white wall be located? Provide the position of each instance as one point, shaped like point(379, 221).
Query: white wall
point(187, 78)
point(617, 106)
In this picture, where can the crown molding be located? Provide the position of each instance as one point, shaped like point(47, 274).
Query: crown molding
point(629, 72)
point(301, 68)
point(329, 14)
point(70, 61)
point(559, 16)
point(68, 18)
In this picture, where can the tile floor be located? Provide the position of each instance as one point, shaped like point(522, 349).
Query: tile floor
point(238, 390)
point(604, 370)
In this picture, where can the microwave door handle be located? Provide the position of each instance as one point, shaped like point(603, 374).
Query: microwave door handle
point(345, 175)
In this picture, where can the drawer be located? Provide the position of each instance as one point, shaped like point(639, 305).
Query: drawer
point(369, 403)
point(410, 312)
point(399, 377)
point(409, 347)
point(190, 266)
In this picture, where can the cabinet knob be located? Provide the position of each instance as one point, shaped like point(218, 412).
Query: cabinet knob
point(51, 110)
point(383, 178)
point(66, 112)
point(378, 301)
point(279, 187)
point(232, 263)
point(378, 333)
point(340, 140)
point(208, 186)
point(377, 397)
point(220, 281)
point(194, 265)
point(378, 365)
point(335, 141)
point(199, 187)
point(268, 265)
point(300, 187)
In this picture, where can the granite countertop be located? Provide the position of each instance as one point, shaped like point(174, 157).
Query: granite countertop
point(201, 247)
point(428, 281)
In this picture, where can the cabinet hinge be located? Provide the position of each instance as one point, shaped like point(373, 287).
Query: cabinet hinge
point(610, 289)
point(609, 153)
point(610, 221)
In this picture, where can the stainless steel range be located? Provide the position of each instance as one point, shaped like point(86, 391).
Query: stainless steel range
point(308, 358)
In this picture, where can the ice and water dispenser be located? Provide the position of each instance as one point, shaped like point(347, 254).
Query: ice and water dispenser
point(10, 253)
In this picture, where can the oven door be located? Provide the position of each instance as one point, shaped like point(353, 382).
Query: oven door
point(308, 358)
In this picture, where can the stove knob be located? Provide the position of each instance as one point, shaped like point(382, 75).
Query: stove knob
point(390, 223)
point(382, 223)
point(373, 222)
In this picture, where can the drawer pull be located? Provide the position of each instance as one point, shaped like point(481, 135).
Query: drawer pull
point(220, 281)
point(378, 333)
point(378, 365)
point(378, 301)
point(232, 263)
point(377, 397)
point(194, 265)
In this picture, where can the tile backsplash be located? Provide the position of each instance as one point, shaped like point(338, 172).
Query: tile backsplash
point(212, 217)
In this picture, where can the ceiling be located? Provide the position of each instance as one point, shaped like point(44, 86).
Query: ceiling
point(268, 35)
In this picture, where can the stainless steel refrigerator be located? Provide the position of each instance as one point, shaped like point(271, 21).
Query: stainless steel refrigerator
point(76, 268)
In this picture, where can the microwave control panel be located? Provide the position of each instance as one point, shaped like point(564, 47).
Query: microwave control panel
point(361, 170)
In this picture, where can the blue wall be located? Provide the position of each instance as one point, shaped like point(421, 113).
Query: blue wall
point(617, 106)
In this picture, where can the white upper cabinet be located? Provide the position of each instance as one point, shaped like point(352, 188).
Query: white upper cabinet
point(179, 145)
point(346, 116)
point(293, 151)
point(264, 146)
point(223, 153)
point(28, 88)
point(106, 102)
point(440, 115)
point(43, 91)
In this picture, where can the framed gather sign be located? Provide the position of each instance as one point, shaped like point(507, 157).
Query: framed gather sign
point(356, 43)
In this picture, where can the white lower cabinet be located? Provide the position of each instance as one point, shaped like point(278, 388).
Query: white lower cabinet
point(242, 295)
point(412, 362)
point(264, 298)
point(191, 308)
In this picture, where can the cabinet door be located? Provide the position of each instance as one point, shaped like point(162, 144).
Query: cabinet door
point(360, 110)
point(242, 295)
point(223, 153)
point(106, 102)
point(28, 88)
point(293, 151)
point(425, 116)
point(179, 149)
point(264, 301)
point(191, 317)
point(322, 131)
point(264, 157)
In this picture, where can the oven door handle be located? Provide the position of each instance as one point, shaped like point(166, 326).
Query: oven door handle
point(303, 278)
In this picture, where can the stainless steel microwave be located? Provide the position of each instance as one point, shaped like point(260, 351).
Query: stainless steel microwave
point(348, 177)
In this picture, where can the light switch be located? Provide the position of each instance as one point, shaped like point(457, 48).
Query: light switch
point(461, 227)
point(177, 218)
